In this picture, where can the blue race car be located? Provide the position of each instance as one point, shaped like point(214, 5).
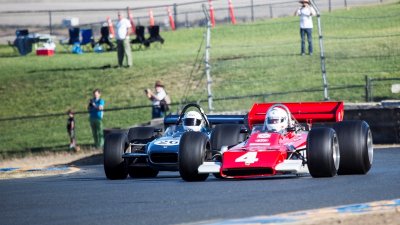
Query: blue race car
point(144, 151)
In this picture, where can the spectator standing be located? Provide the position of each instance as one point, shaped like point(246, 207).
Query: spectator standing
point(95, 108)
point(305, 12)
point(71, 129)
point(123, 43)
point(156, 98)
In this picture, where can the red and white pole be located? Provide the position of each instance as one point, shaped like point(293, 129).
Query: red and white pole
point(212, 17)
point(171, 19)
point(151, 17)
point(110, 27)
point(231, 13)
point(131, 20)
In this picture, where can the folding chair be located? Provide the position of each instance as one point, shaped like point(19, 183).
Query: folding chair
point(11, 44)
point(22, 42)
point(154, 32)
point(105, 38)
point(87, 39)
point(23, 32)
point(140, 39)
point(73, 38)
point(73, 35)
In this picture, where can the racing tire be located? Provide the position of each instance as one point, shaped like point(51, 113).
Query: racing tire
point(141, 134)
point(192, 152)
point(114, 147)
point(356, 150)
point(323, 155)
point(218, 176)
point(225, 135)
point(142, 172)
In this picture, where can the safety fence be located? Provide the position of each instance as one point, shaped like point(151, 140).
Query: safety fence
point(47, 131)
point(371, 83)
point(184, 15)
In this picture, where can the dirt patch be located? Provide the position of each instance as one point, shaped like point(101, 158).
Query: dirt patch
point(376, 218)
point(49, 163)
point(49, 159)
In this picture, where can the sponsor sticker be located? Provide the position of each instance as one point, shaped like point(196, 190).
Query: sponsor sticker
point(261, 140)
point(266, 144)
point(264, 135)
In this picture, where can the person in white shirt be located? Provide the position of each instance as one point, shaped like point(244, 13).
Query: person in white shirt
point(123, 44)
point(305, 12)
point(156, 97)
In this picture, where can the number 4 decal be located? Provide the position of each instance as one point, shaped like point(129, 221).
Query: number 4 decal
point(248, 158)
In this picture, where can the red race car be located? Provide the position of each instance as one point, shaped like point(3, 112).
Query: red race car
point(285, 138)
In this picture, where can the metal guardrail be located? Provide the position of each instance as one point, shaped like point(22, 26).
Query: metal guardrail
point(369, 85)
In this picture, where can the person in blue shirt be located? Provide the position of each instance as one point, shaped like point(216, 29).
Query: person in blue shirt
point(95, 108)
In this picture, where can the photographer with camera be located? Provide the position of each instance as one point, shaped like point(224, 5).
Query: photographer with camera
point(306, 12)
point(95, 108)
point(160, 100)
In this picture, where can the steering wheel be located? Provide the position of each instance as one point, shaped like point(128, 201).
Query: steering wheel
point(200, 110)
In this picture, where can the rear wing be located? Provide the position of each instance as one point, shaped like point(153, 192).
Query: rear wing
point(213, 119)
point(308, 112)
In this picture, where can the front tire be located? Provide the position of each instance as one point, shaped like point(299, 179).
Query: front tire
point(114, 147)
point(323, 155)
point(356, 150)
point(192, 152)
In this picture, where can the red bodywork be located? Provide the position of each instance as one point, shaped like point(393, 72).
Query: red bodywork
point(263, 151)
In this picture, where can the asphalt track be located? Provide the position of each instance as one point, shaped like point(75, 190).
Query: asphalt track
point(86, 197)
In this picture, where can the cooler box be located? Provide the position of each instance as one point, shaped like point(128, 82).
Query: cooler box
point(45, 52)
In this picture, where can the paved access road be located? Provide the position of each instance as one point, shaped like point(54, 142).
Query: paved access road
point(87, 197)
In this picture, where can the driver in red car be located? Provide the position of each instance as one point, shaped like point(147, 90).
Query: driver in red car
point(276, 120)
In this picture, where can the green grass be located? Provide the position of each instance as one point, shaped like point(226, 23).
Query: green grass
point(246, 59)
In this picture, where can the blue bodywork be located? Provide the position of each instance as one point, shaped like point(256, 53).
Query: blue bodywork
point(162, 153)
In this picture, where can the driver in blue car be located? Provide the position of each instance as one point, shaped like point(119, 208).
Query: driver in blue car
point(193, 121)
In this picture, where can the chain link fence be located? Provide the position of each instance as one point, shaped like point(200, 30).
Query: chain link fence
point(186, 15)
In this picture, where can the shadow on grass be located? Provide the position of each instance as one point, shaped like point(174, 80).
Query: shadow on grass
point(381, 98)
point(9, 55)
point(104, 67)
point(227, 58)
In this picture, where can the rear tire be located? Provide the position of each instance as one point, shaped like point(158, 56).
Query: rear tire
point(114, 147)
point(356, 150)
point(141, 135)
point(323, 155)
point(224, 135)
point(192, 152)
